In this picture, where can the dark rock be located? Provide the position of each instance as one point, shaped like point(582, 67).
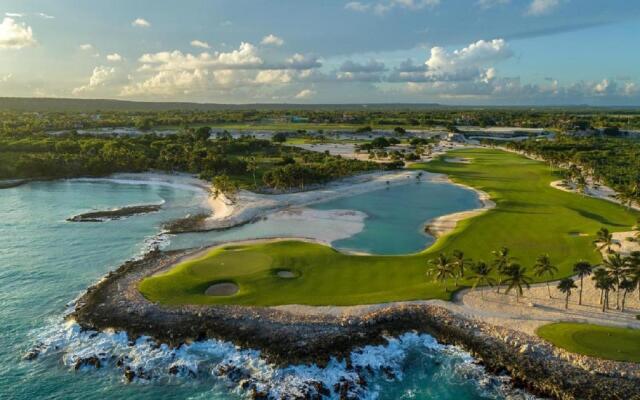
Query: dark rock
point(129, 374)
point(89, 361)
point(101, 216)
point(285, 338)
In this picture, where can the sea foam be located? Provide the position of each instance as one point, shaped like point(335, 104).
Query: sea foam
point(244, 371)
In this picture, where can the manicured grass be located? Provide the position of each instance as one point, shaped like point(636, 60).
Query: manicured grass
point(530, 218)
point(621, 344)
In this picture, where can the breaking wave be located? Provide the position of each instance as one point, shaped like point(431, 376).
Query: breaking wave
point(245, 372)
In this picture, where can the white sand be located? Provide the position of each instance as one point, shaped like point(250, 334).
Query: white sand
point(249, 205)
point(222, 289)
point(447, 223)
point(597, 191)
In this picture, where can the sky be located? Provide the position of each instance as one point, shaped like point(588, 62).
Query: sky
point(466, 52)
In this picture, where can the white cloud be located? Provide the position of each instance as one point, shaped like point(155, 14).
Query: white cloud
point(541, 7)
point(244, 57)
point(6, 78)
point(86, 47)
point(200, 44)
point(273, 76)
point(468, 59)
point(176, 73)
point(631, 89)
point(99, 78)
point(300, 61)
point(605, 87)
point(46, 16)
point(115, 57)
point(305, 94)
point(15, 35)
point(357, 6)
point(272, 40)
point(141, 23)
point(168, 83)
point(14, 15)
point(383, 7)
point(486, 4)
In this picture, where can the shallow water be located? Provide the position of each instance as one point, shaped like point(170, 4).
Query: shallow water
point(396, 216)
point(46, 262)
point(385, 221)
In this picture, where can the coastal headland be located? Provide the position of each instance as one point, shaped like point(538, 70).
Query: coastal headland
point(140, 296)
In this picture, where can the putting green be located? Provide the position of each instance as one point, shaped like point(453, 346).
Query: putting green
point(621, 344)
point(530, 218)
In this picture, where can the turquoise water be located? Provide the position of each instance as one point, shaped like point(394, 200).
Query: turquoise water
point(394, 219)
point(396, 216)
point(46, 262)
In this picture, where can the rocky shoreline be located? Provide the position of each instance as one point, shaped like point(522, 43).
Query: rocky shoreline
point(292, 338)
point(11, 183)
point(118, 213)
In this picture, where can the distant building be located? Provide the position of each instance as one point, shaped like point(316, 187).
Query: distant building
point(456, 137)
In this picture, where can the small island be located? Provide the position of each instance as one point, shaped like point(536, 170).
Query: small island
point(118, 213)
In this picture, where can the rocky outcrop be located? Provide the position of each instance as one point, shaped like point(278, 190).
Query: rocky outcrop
point(119, 213)
point(286, 338)
point(11, 183)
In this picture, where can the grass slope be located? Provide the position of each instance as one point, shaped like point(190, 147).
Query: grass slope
point(620, 344)
point(530, 218)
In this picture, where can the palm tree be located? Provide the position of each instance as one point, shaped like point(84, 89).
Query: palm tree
point(636, 230)
point(442, 269)
point(459, 263)
point(633, 264)
point(543, 266)
point(565, 286)
point(628, 285)
point(582, 268)
point(628, 195)
point(616, 268)
point(482, 273)
point(605, 283)
point(501, 261)
point(517, 278)
point(604, 239)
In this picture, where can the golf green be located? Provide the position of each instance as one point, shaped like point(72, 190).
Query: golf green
point(530, 218)
point(620, 344)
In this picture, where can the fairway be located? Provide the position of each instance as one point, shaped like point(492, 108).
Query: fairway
point(620, 344)
point(530, 218)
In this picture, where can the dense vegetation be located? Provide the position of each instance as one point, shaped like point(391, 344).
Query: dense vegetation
point(612, 161)
point(530, 218)
point(28, 116)
point(247, 161)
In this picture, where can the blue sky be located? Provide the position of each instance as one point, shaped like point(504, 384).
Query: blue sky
point(331, 51)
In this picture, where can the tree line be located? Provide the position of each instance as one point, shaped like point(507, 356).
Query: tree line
point(245, 161)
point(617, 273)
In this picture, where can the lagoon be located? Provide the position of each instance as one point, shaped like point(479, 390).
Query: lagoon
point(388, 221)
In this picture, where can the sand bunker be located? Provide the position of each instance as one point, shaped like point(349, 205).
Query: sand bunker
point(286, 274)
point(222, 289)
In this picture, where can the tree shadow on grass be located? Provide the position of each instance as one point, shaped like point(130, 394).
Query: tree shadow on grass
point(596, 217)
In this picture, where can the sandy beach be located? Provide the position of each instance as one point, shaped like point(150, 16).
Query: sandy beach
point(599, 192)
